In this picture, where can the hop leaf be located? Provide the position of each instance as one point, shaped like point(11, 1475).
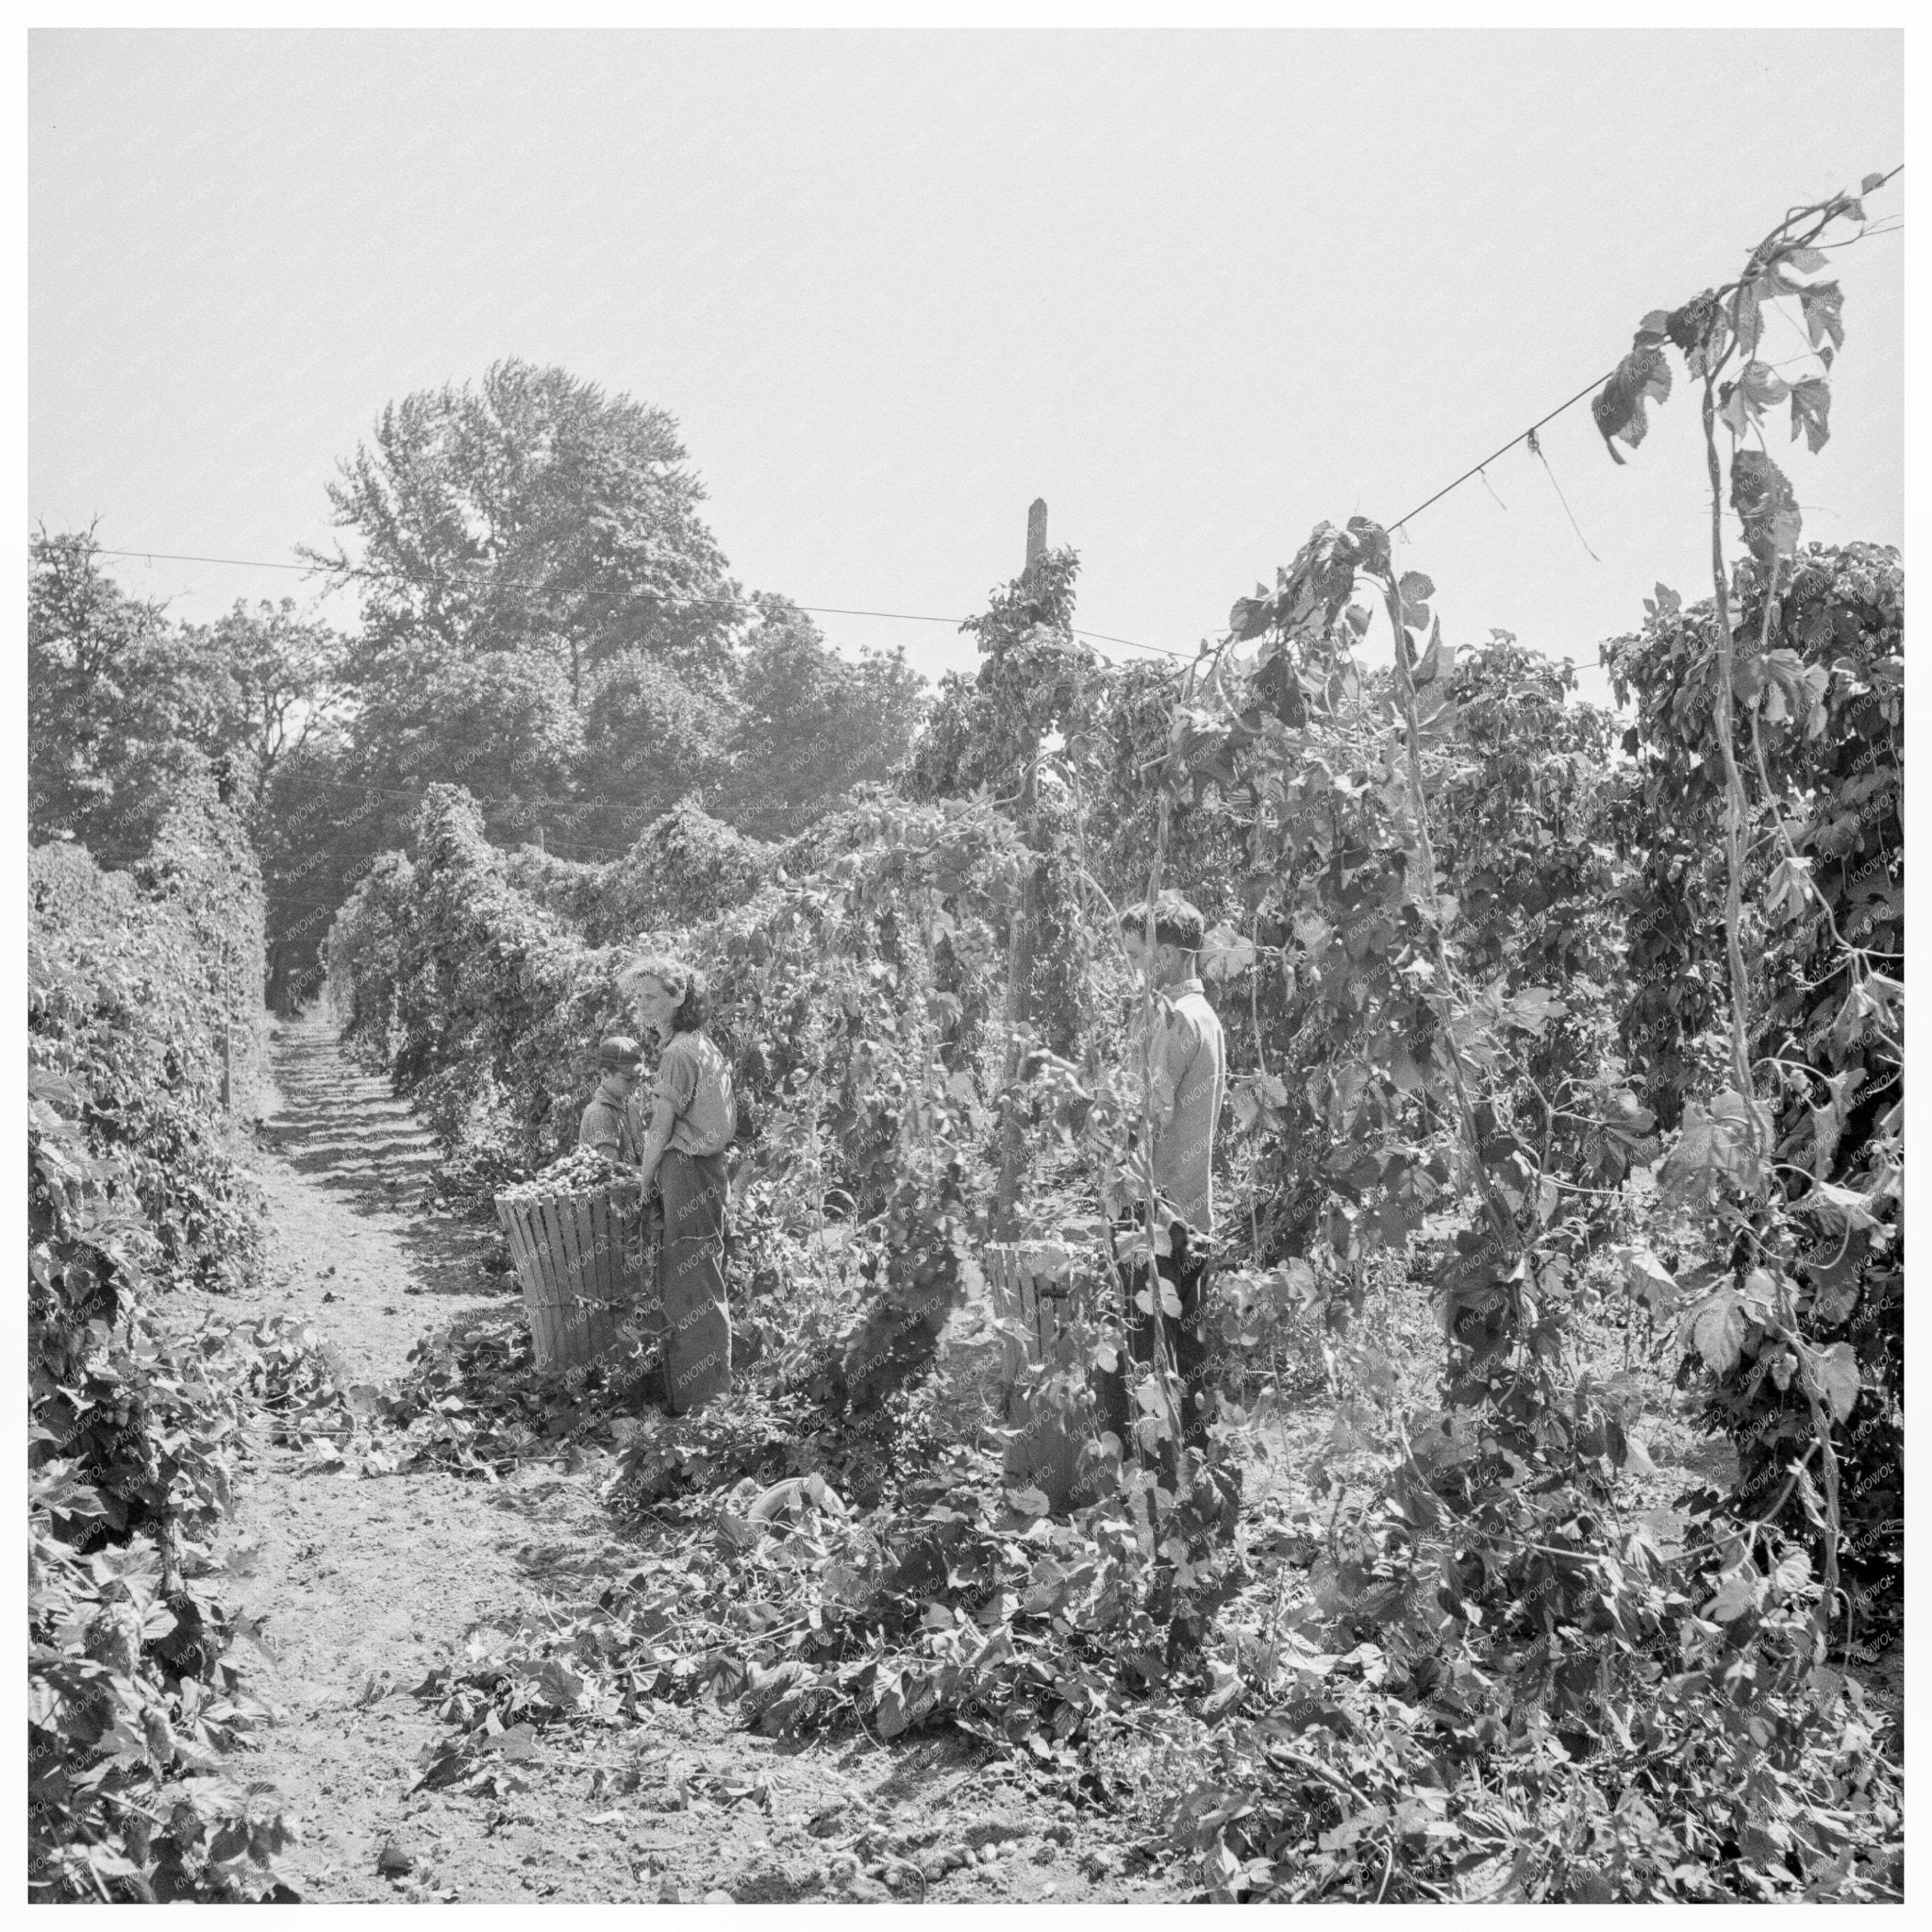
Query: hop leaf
point(1761, 495)
point(1837, 1374)
point(1532, 1008)
point(1837, 1204)
point(1250, 617)
point(1225, 955)
point(1784, 891)
point(1224, 1692)
point(1648, 1279)
point(1712, 1148)
point(1811, 412)
point(1642, 376)
point(1792, 1572)
point(1737, 1593)
point(1695, 329)
point(1716, 1327)
point(1822, 305)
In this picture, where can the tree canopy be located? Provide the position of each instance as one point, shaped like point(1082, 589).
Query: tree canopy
point(545, 621)
point(126, 708)
point(529, 512)
point(811, 723)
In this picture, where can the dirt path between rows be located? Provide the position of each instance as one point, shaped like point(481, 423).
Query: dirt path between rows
point(356, 1586)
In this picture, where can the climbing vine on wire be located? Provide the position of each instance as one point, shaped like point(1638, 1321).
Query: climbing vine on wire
point(1795, 1159)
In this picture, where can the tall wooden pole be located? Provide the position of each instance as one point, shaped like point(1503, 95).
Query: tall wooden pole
point(1019, 1003)
point(227, 1022)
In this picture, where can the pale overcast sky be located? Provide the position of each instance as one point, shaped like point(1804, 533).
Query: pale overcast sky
point(1198, 291)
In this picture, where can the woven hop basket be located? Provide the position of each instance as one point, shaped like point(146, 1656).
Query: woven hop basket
point(586, 1259)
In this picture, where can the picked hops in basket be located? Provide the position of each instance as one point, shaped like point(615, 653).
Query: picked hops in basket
point(582, 1170)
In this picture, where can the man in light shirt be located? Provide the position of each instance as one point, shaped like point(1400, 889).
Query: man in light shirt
point(1187, 1076)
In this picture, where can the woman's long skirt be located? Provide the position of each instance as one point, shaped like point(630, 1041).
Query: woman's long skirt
point(697, 1337)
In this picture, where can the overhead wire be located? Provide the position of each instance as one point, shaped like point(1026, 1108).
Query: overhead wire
point(1527, 435)
point(678, 604)
point(1521, 436)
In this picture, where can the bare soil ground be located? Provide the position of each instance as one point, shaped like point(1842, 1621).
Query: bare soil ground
point(356, 1586)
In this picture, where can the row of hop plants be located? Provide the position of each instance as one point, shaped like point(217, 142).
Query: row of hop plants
point(852, 999)
point(1436, 1027)
point(143, 1003)
point(1439, 864)
point(684, 868)
point(1578, 985)
point(1802, 1250)
point(1410, 1052)
point(1755, 857)
point(1770, 730)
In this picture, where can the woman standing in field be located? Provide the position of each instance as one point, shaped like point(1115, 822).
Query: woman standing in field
point(694, 1115)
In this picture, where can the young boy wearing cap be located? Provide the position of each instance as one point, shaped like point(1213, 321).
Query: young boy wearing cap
point(607, 1124)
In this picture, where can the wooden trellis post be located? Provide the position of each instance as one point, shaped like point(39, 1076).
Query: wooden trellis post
point(227, 1023)
point(1019, 1003)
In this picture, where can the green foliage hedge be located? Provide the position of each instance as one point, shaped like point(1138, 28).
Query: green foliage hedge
point(132, 1416)
point(1499, 1684)
point(851, 1001)
point(687, 867)
point(482, 999)
point(133, 980)
point(1821, 697)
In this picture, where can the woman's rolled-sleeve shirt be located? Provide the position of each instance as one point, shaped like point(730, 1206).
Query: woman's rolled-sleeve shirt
point(694, 1081)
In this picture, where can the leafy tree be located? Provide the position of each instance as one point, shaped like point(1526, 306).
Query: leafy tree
point(502, 723)
point(280, 701)
point(318, 832)
point(529, 512)
point(345, 790)
point(122, 710)
point(812, 723)
point(547, 619)
point(649, 741)
point(129, 713)
point(279, 683)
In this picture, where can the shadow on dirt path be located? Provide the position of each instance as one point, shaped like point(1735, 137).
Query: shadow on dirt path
point(357, 1586)
point(344, 1130)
